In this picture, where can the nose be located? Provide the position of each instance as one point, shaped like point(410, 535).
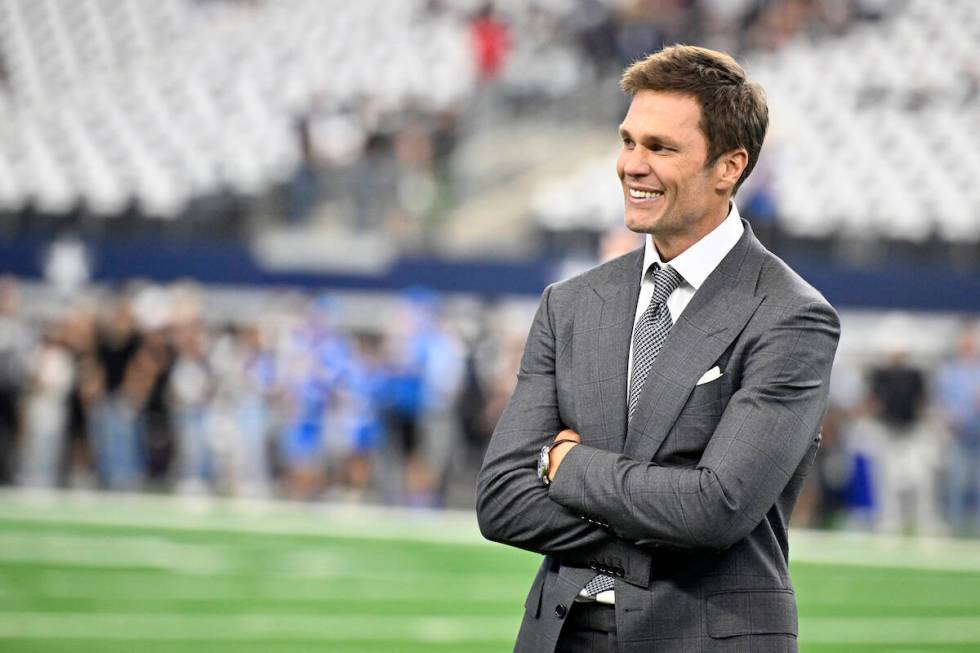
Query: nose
point(634, 163)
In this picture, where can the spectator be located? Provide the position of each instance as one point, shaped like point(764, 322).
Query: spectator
point(118, 455)
point(191, 389)
point(423, 389)
point(145, 385)
point(490, 42)
point(314, 360)
point(958, 397)
point(15, 345)
point(245, 369)
point(46, 414)
point(362, 423)
point(906, 465)
point(825, 499)
point(80, 338)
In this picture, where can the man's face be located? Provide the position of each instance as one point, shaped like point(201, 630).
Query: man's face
point(667, 188)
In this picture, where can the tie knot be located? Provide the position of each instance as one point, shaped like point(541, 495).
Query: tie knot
point(665, 281)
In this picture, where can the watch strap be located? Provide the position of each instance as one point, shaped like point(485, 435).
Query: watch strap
point(546, 458)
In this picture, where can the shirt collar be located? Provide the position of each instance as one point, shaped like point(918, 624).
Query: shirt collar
point(700, 259)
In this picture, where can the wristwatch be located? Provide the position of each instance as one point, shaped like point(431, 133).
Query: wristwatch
point(544, 461)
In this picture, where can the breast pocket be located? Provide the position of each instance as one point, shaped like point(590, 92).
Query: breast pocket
point(708, 398)
point(688, 439)
point(697, 422)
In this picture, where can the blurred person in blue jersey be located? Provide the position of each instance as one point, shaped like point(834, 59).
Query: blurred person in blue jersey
point(426, 375)
point(958, 398)
point(851, 441)
point(315, 357)
point(360, 421)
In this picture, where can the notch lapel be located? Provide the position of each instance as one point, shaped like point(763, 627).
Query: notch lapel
point(715, 315)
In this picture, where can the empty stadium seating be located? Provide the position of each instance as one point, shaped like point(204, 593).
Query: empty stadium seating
point(873, 134)
point(158, 102)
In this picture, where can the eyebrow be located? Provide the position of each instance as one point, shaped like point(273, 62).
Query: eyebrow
point(653, 138)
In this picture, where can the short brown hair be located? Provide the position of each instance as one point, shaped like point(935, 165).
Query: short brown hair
point(733, 108)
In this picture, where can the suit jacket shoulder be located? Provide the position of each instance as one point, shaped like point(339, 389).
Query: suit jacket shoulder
point(617, 273)
point(784, 286)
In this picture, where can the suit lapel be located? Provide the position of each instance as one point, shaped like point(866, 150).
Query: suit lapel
point(619, 292)
point(710, 322)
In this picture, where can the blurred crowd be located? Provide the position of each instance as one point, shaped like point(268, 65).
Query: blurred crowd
point(901, 443)
point(141, 389)
point(137, 391)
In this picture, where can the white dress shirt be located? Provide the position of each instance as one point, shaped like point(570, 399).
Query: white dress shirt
point(694, 264)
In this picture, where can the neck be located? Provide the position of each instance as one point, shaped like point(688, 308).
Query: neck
point(672, 244)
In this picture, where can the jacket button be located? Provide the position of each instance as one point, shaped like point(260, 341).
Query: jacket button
point(560, 611)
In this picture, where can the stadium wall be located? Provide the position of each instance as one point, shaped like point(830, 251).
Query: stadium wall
point(888, 286)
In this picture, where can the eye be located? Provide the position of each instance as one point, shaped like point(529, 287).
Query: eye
point(628, 143)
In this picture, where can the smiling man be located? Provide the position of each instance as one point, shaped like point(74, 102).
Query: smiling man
point(669, 402)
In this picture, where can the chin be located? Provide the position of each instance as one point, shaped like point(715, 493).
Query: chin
point(641, 224)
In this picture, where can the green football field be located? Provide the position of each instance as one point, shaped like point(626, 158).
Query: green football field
point(85, 572)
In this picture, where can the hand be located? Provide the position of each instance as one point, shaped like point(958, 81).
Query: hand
point(557, 454)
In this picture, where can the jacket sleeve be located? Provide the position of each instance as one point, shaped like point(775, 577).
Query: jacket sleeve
point(764, 433)
point(512, 505)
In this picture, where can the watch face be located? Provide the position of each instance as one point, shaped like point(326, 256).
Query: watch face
point(543, 464)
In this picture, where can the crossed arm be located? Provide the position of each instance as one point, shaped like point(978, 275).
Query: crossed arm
point(764, 433)
point(768, 425)
point(513, 506)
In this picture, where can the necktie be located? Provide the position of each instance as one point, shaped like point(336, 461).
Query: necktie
point(651, 330)
point(648, 337)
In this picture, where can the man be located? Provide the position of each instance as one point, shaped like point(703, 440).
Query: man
point(905, 445)
point(682, 387)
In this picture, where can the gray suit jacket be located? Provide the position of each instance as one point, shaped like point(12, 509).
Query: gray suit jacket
point(688, 507)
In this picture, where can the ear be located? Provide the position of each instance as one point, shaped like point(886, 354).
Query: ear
point(730, 167)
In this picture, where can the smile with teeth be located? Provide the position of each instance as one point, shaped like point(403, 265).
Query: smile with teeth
point(644, 194)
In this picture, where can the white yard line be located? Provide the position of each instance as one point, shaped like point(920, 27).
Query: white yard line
point(163, 626)
point(240, 516)
point(425, 628)
point(433, 526)
point(116, 552)
point(884, 551)
point(424, 589)
point(890, 630)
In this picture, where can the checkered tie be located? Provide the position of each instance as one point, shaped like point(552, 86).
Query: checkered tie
point(648, 337)
point(651, 330)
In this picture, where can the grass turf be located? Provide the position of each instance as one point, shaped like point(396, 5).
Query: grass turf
point(109, 575)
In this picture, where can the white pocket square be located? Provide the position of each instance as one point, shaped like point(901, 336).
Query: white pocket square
point(709, 376)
